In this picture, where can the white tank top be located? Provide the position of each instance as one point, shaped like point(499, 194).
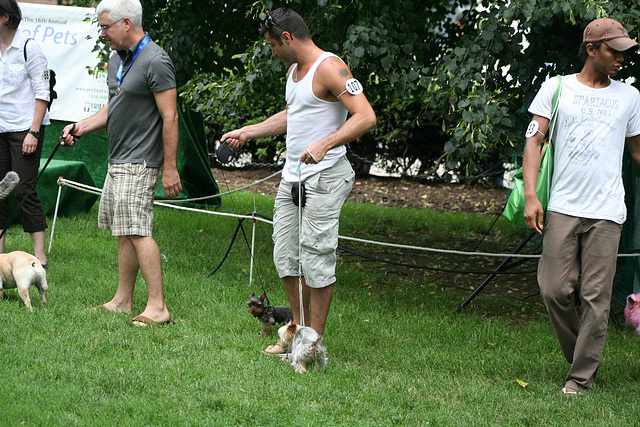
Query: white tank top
point(309, 119)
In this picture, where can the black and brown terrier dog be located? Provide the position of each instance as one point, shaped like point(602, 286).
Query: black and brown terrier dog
point(266, 314)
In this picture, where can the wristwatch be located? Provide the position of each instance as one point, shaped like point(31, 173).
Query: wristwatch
point(35, 133)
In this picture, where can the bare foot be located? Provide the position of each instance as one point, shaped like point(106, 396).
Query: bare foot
point(274, 349)
point(156, 316)
point(145, 321)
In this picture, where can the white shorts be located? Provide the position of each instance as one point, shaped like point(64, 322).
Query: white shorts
point(326, 192)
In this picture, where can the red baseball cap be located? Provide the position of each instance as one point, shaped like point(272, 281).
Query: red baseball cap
point(610, 31)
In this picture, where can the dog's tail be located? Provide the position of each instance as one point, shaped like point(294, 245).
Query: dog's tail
point(39, 278)
point(8, 183)
point(40, 272)
point(319, 353)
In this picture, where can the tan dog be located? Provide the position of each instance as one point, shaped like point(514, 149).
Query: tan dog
point(21, 270)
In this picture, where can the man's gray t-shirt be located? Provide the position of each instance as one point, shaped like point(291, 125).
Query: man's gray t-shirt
point(134, 124)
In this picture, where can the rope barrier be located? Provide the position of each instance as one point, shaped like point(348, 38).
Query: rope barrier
point(164, 203)
point(442, 251)
point(198, 199)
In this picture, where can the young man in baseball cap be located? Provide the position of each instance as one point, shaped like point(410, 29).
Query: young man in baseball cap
point(596, 116)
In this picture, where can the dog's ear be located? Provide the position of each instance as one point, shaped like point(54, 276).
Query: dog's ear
point(264, 295)
point(253, 295)
point(292, 328)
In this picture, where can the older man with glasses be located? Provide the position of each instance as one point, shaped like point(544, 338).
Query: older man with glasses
point(141, 120)
point(320, 93)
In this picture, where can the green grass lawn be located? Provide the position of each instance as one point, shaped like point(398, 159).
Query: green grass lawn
point(399, 353)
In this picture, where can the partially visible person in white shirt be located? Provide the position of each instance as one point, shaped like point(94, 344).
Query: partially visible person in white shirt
point(24, 96)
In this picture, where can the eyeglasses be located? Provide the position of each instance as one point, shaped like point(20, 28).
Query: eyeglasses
point(269, 22)
point(106, 27)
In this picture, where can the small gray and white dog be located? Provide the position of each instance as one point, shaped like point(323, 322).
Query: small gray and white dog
point(305, 345)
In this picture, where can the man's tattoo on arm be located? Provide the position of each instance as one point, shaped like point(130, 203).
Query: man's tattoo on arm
point(344, 73)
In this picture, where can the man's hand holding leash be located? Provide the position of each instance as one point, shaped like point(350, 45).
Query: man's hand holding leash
point(312, 154)
point(234, 139)
point(70, 134)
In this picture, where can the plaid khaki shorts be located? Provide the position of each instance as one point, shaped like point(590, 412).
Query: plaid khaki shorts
point(126, 205)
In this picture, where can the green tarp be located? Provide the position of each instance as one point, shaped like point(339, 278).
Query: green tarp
point(627, 279)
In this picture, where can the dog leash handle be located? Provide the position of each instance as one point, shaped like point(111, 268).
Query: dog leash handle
point(61, 137)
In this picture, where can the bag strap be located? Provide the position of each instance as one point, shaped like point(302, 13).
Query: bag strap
point(554, 109)
point(552, 124)
point(24, 50)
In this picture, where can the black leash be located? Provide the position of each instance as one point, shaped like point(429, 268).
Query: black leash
point(13, 216)
point(224, 155)
point(233, 239)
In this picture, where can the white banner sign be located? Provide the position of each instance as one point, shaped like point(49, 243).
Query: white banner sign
point(63, 32)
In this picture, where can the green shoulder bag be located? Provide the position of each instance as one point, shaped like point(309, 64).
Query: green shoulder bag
point(514, 210)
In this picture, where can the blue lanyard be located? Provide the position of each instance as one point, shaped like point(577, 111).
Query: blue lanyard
point(142, 44)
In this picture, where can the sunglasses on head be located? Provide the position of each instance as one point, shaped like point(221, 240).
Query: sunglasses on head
point(270, 23)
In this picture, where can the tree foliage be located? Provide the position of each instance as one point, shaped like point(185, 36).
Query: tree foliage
point(390, 47)
point(483, 86)
point(443, 94)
